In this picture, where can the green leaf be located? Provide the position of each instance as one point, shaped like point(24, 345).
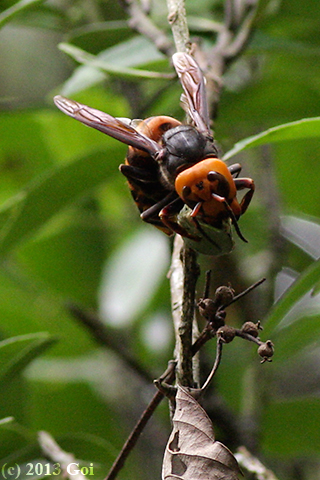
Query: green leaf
point(90, 60)
point(39, 202)
point(294, 338)
point(10, 424)
point(305, 128)
point(18, 7)
point(117, 59)
point(16, 441)
point(306, 281)
point(68, 255)
point(303, 232)
point(17, 352)
point(68, 407)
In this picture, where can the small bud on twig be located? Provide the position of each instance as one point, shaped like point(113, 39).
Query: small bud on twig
point(266, 351)
point(226, 333)
point(223, 295)
point(252, 328)
point(207, 308)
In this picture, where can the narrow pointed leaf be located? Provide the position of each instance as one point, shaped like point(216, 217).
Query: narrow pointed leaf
point(304, 283)
point(15, 9)
point(131, 53)
point(90, 60)
point(42, 199)
point(17, 352)
point(305, 128)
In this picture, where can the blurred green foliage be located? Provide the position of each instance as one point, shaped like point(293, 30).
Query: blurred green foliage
point(71, 233)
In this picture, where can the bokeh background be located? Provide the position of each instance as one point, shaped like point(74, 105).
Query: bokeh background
point(71, 235)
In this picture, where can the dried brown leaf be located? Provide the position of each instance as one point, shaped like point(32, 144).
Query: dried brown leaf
point(192, 453)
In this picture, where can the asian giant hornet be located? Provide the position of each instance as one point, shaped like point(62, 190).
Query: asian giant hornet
point(175, 176)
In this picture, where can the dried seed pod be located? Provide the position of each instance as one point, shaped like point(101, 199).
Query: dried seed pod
point(226, 333)
point(251, 328)
point(223, 295)
point(266, 351)
point(207, 308)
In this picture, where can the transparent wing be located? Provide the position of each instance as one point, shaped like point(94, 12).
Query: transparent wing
point(107, 124)
point(193, 84)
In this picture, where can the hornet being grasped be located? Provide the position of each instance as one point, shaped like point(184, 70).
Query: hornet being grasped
point(175, 176)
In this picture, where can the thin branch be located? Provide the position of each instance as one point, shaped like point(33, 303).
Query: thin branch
point(107, 339)
point(251, 465)
point(189, 328)
point(245, 292)
point(177, 18)
point(142, 23)
point(184, 272)
point(131, 441)
point(217, 313)
point(65, 460)
point(231, 40)
point(197, 393)
point(243, 35)
point(134, 435)
point(247, 336)
point(207, 285)
point(215, 365)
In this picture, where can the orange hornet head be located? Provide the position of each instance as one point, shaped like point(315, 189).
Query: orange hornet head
point(207, 186)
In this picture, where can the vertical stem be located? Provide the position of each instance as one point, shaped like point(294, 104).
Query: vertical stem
point(184, 273)
point(189, 328)
point(178, 20)
point(184, 269)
